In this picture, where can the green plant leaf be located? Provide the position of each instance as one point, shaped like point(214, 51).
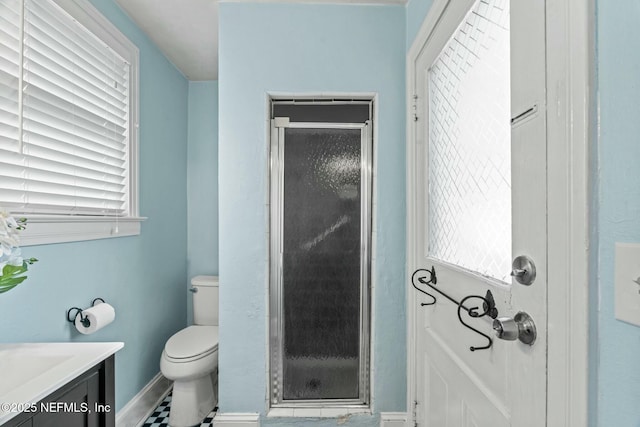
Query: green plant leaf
point(6, 284)
point(14, 270)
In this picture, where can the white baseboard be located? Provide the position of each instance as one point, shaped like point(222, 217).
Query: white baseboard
point(138, 409)
point(394, 419)
point(236, 420)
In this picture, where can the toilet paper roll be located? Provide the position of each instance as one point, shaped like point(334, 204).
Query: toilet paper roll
point(100, 315)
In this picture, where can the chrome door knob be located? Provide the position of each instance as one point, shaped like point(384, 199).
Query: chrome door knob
point(506, 328)
point(520, 327)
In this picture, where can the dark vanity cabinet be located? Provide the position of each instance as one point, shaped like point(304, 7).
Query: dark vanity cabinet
point(86, 401)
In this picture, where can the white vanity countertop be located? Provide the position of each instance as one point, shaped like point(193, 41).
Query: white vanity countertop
point(32, 371)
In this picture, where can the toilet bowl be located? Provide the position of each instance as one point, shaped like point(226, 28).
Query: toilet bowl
point(190, 358)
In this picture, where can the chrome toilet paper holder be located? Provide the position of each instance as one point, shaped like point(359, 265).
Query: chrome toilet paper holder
point(78, 312)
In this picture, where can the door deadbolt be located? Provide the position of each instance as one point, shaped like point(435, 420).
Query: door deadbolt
point(524, 270)
point(520, 327)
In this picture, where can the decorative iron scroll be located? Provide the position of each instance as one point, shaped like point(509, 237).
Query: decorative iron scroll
point(488, 303)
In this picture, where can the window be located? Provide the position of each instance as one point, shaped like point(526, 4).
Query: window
point(68, 121)
point(470, 145)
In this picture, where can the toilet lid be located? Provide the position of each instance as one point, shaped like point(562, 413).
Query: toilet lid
point(192, 341)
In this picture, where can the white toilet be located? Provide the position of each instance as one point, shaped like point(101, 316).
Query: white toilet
point(190, 358)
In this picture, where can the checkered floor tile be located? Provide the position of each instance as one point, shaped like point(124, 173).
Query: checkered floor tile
point(160, 417)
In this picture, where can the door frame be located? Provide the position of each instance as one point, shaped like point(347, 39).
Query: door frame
point(570, 115)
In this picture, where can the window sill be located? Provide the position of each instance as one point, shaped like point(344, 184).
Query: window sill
point(43, 230)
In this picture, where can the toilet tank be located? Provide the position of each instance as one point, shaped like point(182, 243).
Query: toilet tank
point(205, 300)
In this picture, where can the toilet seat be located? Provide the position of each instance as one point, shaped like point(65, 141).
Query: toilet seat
point(192, 343)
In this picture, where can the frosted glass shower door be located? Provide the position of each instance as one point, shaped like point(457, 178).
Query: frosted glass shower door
point(320, 233)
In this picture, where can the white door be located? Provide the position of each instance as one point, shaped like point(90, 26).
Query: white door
point(478, 199)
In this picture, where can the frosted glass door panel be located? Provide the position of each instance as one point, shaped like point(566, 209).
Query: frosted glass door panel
point(321, 263)
point(469, 207)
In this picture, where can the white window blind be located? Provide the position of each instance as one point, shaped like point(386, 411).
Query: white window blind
point(64, 115)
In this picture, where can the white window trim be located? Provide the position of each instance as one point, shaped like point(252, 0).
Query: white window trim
point(45, 229)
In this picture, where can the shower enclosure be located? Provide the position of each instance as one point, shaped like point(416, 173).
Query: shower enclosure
point(321, 154)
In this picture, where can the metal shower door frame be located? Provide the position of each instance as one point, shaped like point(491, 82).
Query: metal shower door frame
point(276, 317)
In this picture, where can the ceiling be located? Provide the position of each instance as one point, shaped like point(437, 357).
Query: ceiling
point(185, 30)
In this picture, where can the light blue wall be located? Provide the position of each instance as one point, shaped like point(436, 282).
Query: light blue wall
point(144, 276)
point(202, 182)
point(416, 12)
point(306, 49)
point(618, 45)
